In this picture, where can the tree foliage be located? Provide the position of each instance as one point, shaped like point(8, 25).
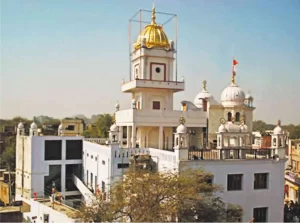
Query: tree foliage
point(100, 128)
point(161, 197)
point(294, 130)
point(8, 157)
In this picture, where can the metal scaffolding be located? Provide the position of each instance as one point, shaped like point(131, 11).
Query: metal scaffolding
point(137, 18)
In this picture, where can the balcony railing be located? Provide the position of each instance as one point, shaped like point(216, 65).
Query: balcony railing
point(227, 154)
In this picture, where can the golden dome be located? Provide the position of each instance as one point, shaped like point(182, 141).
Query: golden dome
point(154, 34)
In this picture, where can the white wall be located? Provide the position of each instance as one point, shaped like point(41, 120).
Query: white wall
point(99, 165)
point(248, 198)
point(36, 167)
point(112, 155)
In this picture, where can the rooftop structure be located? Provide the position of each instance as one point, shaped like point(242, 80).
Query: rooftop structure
point(216, 136)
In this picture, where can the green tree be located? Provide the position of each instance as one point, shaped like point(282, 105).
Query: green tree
point(100, 128)
point(103, 124)
point(8, 157)
point(162, 197)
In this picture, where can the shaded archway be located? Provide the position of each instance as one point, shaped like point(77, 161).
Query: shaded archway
point(229, 116)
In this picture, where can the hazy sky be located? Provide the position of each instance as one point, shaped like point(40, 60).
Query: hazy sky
point(65, 57)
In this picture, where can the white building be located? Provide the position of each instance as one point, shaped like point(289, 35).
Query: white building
point(252, 178)
point(42, 160)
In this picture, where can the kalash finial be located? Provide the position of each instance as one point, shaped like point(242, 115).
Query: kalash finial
point(153, 22)
point(182, 120)
point(204, 85)
point(278, 122)
point(114, 118)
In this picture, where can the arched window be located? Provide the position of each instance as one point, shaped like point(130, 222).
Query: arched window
point(229, 116)
point(274, 142)
point(237, 116)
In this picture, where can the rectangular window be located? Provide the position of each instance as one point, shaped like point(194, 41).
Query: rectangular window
point(70, 127)
point(53, 149)
point(260, 214)
point(54, 176)
point(92, 179)
point(46, 218)
point(184, 107)
point(72, 169)
point(96, 182)
point(156, 105)
point(87, 177)
point(73, 149)
point(103, 186)
point(234, 182)
point(209, 179)
point(260, 181)
point(123, 165)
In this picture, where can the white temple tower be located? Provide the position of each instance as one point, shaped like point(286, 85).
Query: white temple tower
point(151, 120)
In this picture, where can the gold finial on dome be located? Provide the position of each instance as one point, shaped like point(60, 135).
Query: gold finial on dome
point(182, 120)
point(204, 85)
point(154, 36)
point(153, 22)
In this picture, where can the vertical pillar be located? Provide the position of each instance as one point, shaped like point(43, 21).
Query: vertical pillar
point(128, 137)
point(160, 137)
point(222, 141)
point(228, 141)
point(63, 178)
point(121, 135)
point(133, 136)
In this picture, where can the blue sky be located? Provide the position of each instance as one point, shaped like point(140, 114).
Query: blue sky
point(60, 58)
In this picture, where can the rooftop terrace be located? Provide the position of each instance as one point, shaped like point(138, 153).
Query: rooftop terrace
point(230, 154)
point(64, 209)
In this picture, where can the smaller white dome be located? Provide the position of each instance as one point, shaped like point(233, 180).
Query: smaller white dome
point(114, 128)
point(181, 129)
point(33, 126)
point(248, 96)
point(204, 94)
point(244, 128)
point(222, 128)
point(20, 125)
point(232, 95)
point(60, 127)
point(232, 127)
point(278, 130)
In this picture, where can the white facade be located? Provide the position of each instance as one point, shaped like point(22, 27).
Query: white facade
point(248, 198)
point(32, 165)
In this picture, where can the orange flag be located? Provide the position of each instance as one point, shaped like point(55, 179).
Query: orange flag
point(235, 62)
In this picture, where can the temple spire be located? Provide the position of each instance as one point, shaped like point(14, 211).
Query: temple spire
point(153, 22)
point(204, 85)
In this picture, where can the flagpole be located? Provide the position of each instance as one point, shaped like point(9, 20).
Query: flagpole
point(232, 72)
